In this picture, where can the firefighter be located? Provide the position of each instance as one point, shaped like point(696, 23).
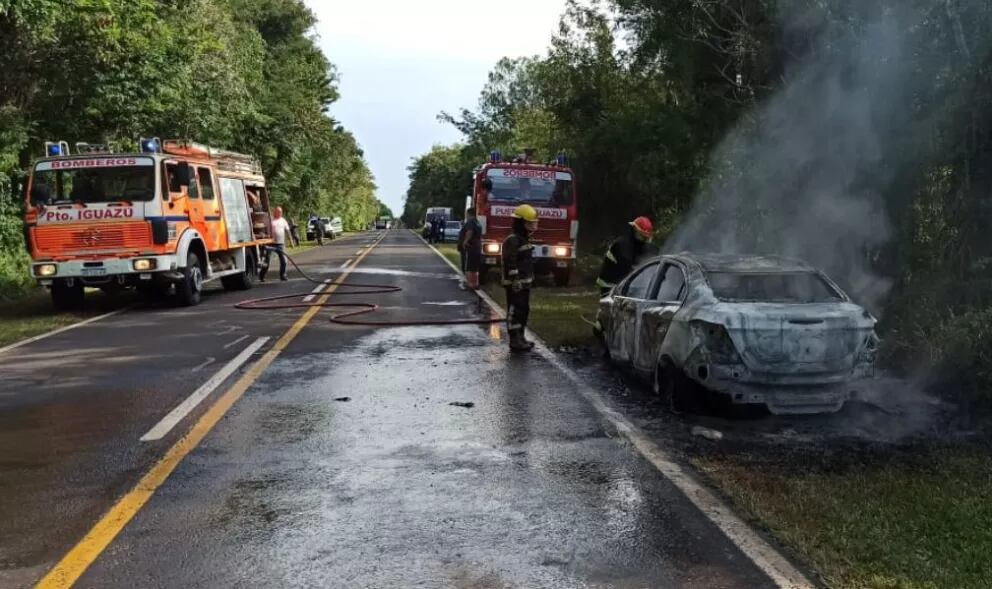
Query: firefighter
point(518, 275)
point(624, 254)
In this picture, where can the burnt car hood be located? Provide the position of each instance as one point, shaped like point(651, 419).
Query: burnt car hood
point(794, 338)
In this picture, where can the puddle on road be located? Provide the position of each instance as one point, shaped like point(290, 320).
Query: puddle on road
point(447, 304)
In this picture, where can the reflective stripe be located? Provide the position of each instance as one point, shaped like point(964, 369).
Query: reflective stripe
point(513, 272)
point(610, 256)
point(527, 247)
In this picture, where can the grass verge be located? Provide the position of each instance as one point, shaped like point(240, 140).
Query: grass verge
point(556, 313)
point(917, 521)
point(33, 315)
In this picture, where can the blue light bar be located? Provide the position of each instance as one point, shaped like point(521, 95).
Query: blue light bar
point(562, 160)
point(151, 145)
point(495, 156)
point(56, 148)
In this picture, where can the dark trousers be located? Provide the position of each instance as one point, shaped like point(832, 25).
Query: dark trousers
point(518, 309)
point(280, 251)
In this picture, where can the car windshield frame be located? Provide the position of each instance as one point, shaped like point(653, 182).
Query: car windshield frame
point(786, 292)
point(91, 182)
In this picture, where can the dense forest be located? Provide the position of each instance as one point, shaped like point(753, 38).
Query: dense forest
point(855, 134)
point(240, 74)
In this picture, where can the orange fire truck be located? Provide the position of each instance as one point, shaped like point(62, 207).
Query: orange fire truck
point(500, 186)
point(173, 216)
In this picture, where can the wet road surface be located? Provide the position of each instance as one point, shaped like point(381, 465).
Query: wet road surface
point(345, 464)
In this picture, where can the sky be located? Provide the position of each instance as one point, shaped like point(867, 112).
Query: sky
point(401, 63)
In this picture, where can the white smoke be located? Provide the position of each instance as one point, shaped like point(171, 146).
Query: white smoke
point(804, 174)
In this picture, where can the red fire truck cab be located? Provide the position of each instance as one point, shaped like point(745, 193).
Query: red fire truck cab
point(500, 187)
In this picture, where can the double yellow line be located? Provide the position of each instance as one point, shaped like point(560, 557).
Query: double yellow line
point(83, 554)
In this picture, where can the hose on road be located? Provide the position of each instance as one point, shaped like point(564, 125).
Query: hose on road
point(357, 308)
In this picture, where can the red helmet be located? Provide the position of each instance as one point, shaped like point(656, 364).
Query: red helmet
point(643, 226)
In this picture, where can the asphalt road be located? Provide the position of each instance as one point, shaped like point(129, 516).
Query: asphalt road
point(345, 463)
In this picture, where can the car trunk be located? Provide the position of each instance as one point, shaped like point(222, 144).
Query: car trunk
point(799, 339)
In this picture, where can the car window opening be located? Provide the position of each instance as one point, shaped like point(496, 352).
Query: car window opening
point(772, 287)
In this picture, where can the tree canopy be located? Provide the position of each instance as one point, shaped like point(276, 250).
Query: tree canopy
point(245, 75)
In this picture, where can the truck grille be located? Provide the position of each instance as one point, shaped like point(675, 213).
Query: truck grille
point(97, 237)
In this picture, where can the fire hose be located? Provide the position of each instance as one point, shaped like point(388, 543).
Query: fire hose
point(356, 308)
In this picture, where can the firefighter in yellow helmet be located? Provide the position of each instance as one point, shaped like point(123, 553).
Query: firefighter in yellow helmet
point(518, 275)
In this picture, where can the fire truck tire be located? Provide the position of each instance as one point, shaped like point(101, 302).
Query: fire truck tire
point(67, 298)
point(245, 280)
point(190, 289)
point(562, 276)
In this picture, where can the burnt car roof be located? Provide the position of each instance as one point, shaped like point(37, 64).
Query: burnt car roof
point(746, 263)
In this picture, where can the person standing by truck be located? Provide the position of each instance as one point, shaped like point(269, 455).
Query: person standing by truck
point(280, 227)
point(470, 244)
point(518, 275)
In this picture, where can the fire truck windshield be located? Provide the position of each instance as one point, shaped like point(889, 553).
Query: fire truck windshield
point(55, 182)
point(552, 191)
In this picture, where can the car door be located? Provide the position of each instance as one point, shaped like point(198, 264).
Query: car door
point(655, 318)
point(634, 293)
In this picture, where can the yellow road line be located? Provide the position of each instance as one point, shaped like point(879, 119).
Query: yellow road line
point(74, 564)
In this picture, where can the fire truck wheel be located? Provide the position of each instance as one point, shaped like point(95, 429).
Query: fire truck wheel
point(245, 280)
point(188, 291)
point(67, 298)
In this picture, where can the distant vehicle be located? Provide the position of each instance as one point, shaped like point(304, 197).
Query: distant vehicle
point(748, 330)
point(438, 213)
point(332, 228)
point(451, 230)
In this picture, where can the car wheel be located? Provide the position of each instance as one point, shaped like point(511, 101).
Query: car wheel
point(245, 280)
point(190, 290)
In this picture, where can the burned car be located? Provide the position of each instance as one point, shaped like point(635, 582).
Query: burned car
point(746, 330)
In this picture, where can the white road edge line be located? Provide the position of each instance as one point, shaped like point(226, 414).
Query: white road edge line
point(769, 560)
point(162, 428)
point(236, 342)
point(49, 334)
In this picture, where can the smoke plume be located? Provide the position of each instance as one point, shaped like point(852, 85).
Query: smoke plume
point(804, 174)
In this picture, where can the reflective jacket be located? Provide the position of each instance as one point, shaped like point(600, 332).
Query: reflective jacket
point(624, 254)
point(518, 261)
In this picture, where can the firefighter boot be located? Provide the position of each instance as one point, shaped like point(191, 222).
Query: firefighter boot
point(517, 341)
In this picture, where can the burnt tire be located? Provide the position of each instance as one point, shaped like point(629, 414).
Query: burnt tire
point(245, 280)
point(189, 290)
point(681, 393)
point(66, 297)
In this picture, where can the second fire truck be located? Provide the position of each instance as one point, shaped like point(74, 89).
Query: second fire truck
point(500, 186)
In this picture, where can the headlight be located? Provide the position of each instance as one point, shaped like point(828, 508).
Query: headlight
point(561, 252)
point(492, 248)
point(46, 270)
point(143, 265)
point(717, 342)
